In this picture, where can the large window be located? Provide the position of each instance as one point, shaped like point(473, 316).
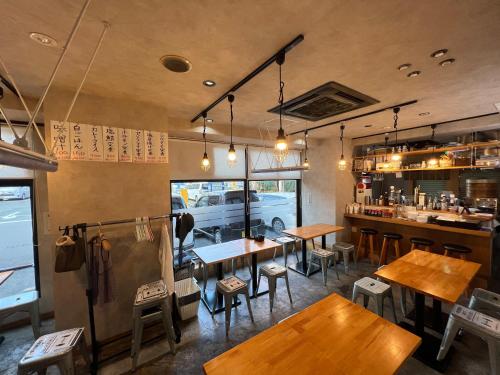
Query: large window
point(18, 261)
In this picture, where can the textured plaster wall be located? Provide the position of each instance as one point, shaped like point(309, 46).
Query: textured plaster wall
point(98, 191)
point(325, 189)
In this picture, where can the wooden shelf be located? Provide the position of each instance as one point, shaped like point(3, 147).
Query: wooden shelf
point(421, 169)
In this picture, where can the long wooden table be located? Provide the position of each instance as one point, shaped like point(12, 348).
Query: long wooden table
point(444, 279)
point(307, 233)
point(218, 253)
point(332, 336)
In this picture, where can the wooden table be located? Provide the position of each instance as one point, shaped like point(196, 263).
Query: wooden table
point(218, 253)
point(444, 279)
point(332, 336)
point(307, 233)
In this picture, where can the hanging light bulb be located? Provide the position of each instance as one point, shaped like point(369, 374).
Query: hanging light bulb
point(386, 164)
point(342, 162)
point(231, 154)
point(395, 156)
point(205, 161)
point(305, 164)
point(281, 145)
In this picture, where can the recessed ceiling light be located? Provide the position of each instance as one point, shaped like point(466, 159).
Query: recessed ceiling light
point(209, 120)
point(387, 127)
point(424, 114)
point(368, 126)
point(209, 83)
point(404, 66)
point(415, 73)
point(439, 53)
point(43, 39)
point(447, 62)
point(176, 64)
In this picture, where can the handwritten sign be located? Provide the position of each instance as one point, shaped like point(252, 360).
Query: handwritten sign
point(78, 134)
point(61, 139)
point(151, 145)
point(94, 143)
point(138, 146)
point(110, 139)
point(163, 148)
point(125, 145)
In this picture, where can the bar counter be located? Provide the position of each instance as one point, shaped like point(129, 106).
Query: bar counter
point(480, 241)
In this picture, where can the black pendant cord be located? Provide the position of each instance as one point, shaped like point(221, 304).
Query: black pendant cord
point(396, 110)
point(433, 127)
point(305, 142)
point(205, 131)
point(280, 100)
point(231, 99)
point(386, 140)
point(342, 127)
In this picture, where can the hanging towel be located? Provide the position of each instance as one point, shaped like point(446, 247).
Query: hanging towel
point(166, 259)
point(101, 271)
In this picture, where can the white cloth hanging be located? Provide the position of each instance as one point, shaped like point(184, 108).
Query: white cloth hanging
point(166, 259)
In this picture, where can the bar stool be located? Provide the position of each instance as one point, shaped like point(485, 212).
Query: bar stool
point(366, 237)
point(451, 249)
point(324, 257)
point(421, 243)
point(482, 325)
point(151, 302)
point(346, 249)
point(54, 349)
point(368, 287)
point(27, 301)
point(386, 244)
point(230, 287)
point(287, 242)
point(273, 272)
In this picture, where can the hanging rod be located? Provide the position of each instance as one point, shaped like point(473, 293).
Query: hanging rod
point(356, 117)
point(114, 222)
point(299, 38)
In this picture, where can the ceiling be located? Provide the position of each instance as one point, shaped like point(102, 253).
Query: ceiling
point(359, 44)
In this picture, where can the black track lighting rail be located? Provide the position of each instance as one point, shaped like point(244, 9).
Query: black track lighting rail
point(257, 71)
point(357, 116)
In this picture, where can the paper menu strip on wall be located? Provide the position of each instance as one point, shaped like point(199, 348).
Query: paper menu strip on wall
point(152, 146)
point(78, 141)
point(110, 140)
point(59, 133)
point(138, 146)
point(94, 143)
point(125, 145)
point(163, 148)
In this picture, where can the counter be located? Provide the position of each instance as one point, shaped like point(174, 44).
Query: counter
point(478, 240)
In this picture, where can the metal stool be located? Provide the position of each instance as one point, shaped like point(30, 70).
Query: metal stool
point(421, 243)
point(286, 242)
point(451, 249)
point(345, 249)
point(366, 237)
point(388, 237)
point(402, 294)
point(151, 302)
point(27, 301)
point(230, 287)
point(324, 257)
point(274, 271)
point(482, 325)
point(54, 349)
point(244, 262)
point(485, 302)
point(378, 290)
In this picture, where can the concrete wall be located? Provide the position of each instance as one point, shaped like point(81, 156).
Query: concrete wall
point(325, 189)
point(98, 191)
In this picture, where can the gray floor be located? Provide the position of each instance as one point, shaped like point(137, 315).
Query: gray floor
point(204, 338)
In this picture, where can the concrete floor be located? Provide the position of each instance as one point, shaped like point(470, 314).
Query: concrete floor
point(204, 338)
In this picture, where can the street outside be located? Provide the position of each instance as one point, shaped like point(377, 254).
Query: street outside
point(16, 246)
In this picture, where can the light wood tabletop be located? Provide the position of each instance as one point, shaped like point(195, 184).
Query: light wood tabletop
point(233, 249)
point(332, 336)
point(312, 231)
point(438, 276)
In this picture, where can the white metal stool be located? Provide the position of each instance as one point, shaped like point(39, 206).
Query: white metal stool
point(324, 257)
point(346, 249)
point(230, 287)
point(27, 301)
point(54, 349)
point(368, 287)
point(482, 325)
point(485, 302)
point(151, 302)
point(286, 242)
point(402, 295)
point(273, 272)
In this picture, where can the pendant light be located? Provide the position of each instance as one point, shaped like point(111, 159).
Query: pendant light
point(306, 161)
point(231, 154)
point(395, 156)
point(386, 165)
point(205, 162)
point(281, 146)
point(342, 161)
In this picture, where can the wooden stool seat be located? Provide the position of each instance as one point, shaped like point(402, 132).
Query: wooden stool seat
point(367, 243)
point(451, 249)
point(388, 237)
point(393, 236)
point(368, 231)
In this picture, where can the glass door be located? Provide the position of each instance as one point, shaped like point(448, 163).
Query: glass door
point(18, 255)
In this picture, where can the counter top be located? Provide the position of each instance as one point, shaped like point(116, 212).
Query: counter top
point(471, 232)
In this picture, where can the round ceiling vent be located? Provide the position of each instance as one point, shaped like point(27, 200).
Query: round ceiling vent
point(176, 64)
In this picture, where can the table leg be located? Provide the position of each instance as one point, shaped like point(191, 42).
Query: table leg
point(301, 267)
point(323, 241)
point(253, 292)
point(419, 314)
point(437, 319)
